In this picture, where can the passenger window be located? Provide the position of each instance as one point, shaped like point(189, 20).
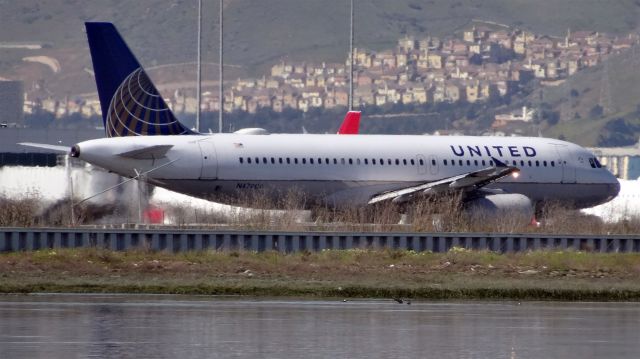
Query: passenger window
point(591, 163)
point(335, 161)
point(381, 162)
point(280, 160)
point(326, 160)
point(529, 163)
point(404, 161)
point(397, 162)
point(257, 161)
point(273, 161)
point(537, 163)
point(490, 162)
point(421, 161)
point(288, 161)
point(241, 161)
point(544, 163)
point(342, 161)
point(413, 163)
point(366, 161)
point(468, 163)
point(358, 161)
point(453, 162)
point(484, 163)
point(553, 164)
point(373, 161)
point(350, 161)
point(522, 163)
point(304, 161)
point(264, 160)
point(433, 162)
point(310, 160)
point(319, 160)
point(295, 160)
point(444, 162)
point(389, 161)
point(249, 160)
point(459, 162)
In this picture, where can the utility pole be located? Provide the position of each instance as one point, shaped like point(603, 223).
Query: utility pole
point(199, 80)
point(221, 73)
point(351, 60)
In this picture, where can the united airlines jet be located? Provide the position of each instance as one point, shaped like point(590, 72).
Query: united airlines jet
point(143, 137)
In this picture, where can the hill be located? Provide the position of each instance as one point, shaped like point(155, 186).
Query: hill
point(259, 33)
point(597, 106)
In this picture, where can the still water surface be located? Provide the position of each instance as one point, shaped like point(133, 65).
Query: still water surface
point(123, 326)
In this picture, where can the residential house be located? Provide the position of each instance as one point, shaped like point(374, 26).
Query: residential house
point(303, 104)
point(406, 44)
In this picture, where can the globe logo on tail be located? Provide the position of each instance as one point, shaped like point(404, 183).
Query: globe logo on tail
point(137, 109)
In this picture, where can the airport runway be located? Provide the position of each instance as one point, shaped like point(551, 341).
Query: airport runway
point(124, 326)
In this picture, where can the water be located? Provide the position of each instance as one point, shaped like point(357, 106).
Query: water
point(122, 326)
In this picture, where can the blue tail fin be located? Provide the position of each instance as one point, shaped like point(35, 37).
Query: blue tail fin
point(131, 104)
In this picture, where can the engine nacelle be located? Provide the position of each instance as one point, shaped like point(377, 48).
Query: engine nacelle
point(512, 204)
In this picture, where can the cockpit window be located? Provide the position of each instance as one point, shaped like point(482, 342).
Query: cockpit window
point(592, 163)
point(598, 164)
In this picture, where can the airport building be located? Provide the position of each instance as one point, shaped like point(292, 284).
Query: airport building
point(11, 103)
point(623, 162)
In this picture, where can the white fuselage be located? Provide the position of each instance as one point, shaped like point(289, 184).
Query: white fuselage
point(343, 169)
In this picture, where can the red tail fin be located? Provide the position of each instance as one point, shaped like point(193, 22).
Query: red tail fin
point(350, 124)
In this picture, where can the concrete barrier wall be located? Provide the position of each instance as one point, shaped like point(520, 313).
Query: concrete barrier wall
point(21, 239)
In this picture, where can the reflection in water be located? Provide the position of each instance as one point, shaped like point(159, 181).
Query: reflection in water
point(52, 326)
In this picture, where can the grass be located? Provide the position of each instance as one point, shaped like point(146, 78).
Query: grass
point(458, 274)
point(295, 212)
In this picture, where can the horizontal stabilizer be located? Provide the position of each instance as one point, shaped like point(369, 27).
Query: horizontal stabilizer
point(147, 153)
point(44, 146)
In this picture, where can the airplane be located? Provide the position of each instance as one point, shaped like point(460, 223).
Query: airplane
point(144, 140)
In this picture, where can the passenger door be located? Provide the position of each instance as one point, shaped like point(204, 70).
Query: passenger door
point(568, 164)
point(209, 160)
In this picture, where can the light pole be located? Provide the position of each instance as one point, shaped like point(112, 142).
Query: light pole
point(221, 73)
point(351, 60)
point(199, 80)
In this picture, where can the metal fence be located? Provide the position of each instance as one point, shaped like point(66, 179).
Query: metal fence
point(175, 240)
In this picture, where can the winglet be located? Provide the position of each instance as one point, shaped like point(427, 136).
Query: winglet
point(350, 124)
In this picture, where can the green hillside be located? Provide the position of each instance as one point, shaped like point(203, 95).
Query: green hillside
point(613, 87)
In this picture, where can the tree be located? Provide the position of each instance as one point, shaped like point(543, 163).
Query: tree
point(596, 111)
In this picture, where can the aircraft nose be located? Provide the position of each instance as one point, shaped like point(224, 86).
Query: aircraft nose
point(614, 188)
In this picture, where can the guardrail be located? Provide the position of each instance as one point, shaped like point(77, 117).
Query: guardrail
point(177, 240)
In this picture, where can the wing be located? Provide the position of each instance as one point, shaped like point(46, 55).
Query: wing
point(45, 146)
point(467, 182)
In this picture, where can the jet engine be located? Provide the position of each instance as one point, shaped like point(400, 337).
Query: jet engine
point(512, 204)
